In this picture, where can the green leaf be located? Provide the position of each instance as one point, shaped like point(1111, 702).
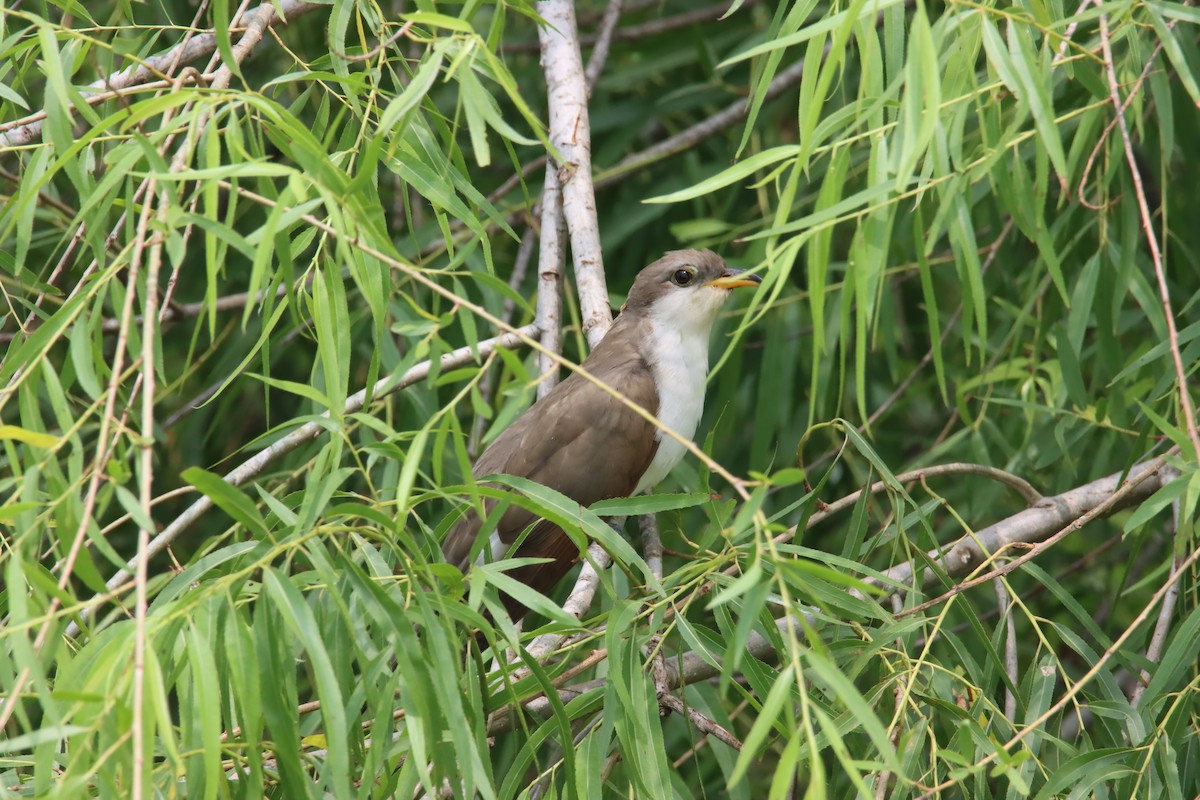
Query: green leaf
point(228, 498)
point(32, 438)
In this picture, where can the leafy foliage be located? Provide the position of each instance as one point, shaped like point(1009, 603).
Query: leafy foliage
point(944, 208)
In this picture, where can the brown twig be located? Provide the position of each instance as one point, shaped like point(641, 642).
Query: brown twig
point(602, 41)
point(1162, 627)
point(1185, 399)
point(703, 724)
point(1030, 495)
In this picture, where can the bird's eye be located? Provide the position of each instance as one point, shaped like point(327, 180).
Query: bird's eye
point(682, 277)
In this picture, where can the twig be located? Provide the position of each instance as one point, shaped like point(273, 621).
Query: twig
point(1162, 627)
point(689, 137)
point(1030, 495)
point(1070, 31)
point(146, 478)
point(571, 137)
point(379, 48)
point(703, 724)
point(602, 39)
point(652, 548)
point(1085, 176)
point(1185, 399)
point(1010, 648)
point(578, 602)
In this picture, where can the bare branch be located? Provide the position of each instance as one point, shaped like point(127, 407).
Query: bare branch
point(570, 134)
point(1162, 627)
point(608, 26)
point(1031, 496)
point(1010, 648)
point(703, 724)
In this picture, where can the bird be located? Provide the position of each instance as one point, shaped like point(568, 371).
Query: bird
point(587, 444)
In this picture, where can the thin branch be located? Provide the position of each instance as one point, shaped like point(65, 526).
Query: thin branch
point(146, 478)
point(703, 724)
point(688, 138)
point(1185, 399)
point(1010, 648)
point(578, 602)
point(1162, 627)
point(1070, 31)
point(1030, 495)
point(652, 547)
point(602, 40)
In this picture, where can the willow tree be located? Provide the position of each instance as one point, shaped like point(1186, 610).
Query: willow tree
point(275, 274)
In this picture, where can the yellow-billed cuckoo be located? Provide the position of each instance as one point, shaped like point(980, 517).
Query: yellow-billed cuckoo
point(585, 443)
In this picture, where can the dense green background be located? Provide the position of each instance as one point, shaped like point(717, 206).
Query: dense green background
point(950, 235)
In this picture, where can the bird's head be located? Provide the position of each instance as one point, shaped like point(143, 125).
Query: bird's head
point(685, 288)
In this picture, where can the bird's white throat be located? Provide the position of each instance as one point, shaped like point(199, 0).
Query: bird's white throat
point(680, 323)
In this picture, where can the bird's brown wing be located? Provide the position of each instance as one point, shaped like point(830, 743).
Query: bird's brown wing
point(548, 447)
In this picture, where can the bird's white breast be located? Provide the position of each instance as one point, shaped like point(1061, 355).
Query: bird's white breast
point(679, 359)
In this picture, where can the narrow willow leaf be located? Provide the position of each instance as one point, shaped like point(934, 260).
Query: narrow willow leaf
point(228, 498)
point(33, 438)
point(737, 172)
point(829, 23)
point(302, 624)
point(781, 690)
